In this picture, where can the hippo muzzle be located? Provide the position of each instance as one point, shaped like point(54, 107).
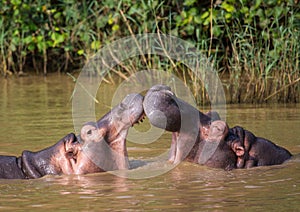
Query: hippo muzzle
point(61, 158)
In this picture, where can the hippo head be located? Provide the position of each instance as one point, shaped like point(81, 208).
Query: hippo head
point(215, 151)
point(100, 147)
point(193, 138)
point(171, 113)
point(164, 110)
point(161, 107)
point(104, 141)
point(64, 157)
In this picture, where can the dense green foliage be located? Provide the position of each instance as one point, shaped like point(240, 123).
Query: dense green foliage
point(254, 43)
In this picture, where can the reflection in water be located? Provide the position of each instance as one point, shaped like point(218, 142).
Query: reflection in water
point(36, 113)
point(88, 182)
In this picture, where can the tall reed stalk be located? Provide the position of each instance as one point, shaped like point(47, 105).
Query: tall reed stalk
point(254, 45)
point(263, 63)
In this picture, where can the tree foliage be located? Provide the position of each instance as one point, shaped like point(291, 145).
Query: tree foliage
point(253, 38)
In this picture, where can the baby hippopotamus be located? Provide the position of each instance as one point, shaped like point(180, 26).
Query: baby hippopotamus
point(250, 150)
point(255, 151)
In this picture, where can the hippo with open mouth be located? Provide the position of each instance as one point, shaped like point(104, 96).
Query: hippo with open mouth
point(190, 129)
point(81, 154)
point(105, 140)
point(196, 139)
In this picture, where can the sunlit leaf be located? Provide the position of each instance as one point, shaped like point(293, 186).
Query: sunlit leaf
point(115, 27)
point(228, 7)
point(95, 45)
point(80, 52)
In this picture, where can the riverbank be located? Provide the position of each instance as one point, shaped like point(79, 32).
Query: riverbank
point(253, 45)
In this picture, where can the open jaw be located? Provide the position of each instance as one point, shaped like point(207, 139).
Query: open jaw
point(104, 141)
point(164, 110)
point(190, 129)
point(67, 156)
point(128, 112)
point(101, 146)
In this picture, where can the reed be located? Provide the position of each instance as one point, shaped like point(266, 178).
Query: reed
point(262, 64)
point(254, 46)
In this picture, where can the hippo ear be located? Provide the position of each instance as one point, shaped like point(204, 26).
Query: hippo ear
point(239, 151)
point(96, 135)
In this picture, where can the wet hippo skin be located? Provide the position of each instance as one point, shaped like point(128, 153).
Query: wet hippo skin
point(250, 150)
point(190, 129)
point(55, 160)
point(214, 145)
point(255, 151)
point(105, 140)
point(81, 154)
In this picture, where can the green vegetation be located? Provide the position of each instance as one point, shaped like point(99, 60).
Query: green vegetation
point(254, 45)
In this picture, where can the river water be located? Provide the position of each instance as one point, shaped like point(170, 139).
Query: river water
point(36, 112)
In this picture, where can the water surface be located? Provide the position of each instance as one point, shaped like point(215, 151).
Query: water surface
point(36, 112)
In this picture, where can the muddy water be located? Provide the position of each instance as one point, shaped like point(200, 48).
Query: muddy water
point(37, 112)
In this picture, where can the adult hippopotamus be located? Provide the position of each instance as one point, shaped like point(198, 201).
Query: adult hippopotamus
point(190, 129)
point(61, 158)
point(106, 139)
point(100, 147)
point(215, 143)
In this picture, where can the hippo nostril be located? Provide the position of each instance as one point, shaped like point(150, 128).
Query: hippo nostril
point(89, 132)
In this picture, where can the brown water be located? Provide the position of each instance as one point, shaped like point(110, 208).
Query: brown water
point(36, 112)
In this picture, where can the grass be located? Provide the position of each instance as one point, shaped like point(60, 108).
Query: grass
point(256, 64)
point(264, 68)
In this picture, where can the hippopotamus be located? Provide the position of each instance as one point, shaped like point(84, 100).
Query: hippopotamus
point(101, 146)
point(61, 158)
point(106, 139)
point(254, 151)
point(250, 150)
point(190, 129)
point(216, 144)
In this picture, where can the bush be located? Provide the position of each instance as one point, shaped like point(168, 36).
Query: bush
point(255, 43)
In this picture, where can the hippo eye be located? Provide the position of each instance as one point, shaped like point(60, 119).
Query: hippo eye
point(89, 132)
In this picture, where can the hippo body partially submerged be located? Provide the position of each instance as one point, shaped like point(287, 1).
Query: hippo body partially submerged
point(101, 146)
point(189, 127)
point(195, 139)
point(55, 160)
point(255, 151)
point(105, 140)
